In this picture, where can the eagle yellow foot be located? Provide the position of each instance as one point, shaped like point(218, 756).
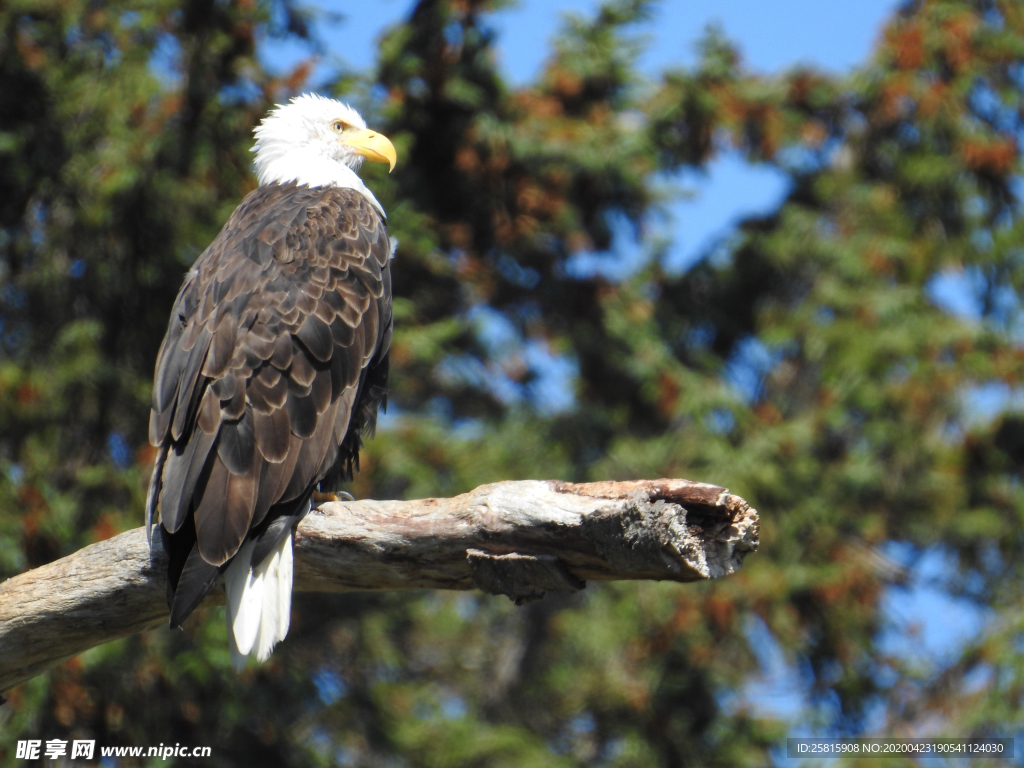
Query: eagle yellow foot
point(322, 498)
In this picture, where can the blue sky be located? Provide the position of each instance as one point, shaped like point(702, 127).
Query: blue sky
point(836, 35)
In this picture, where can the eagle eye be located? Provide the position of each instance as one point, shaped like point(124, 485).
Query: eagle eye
point(339, 125)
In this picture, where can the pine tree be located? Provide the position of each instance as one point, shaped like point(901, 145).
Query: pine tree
point(808, 363)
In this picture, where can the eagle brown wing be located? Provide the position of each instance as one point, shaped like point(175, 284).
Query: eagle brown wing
point(274, 364)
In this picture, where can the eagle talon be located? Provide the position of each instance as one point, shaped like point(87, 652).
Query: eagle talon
point(323, 498)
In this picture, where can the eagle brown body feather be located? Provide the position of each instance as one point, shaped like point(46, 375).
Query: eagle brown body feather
point(273, 366)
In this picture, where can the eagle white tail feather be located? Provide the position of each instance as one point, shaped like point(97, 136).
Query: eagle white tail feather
point(277, 598)
point(259, 601)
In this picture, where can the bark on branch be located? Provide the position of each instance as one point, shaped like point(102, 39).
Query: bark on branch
point(520, 539)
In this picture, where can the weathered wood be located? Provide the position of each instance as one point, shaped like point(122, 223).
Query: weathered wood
point(520, 539)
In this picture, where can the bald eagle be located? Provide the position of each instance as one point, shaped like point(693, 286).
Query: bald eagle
point(274, 365)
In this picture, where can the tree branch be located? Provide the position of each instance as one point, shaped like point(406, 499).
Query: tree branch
point(520, 539)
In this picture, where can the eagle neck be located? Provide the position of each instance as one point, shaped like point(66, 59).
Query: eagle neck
point(311, 169)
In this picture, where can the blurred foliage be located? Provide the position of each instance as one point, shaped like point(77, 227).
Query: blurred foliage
point(808, 363)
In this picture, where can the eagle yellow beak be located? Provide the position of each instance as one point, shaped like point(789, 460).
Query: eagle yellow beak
point(371, 145)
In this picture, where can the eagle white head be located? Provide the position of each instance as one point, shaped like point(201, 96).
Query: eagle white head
point(320, 142)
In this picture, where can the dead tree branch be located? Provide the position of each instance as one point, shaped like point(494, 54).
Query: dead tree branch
point(520, 539)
